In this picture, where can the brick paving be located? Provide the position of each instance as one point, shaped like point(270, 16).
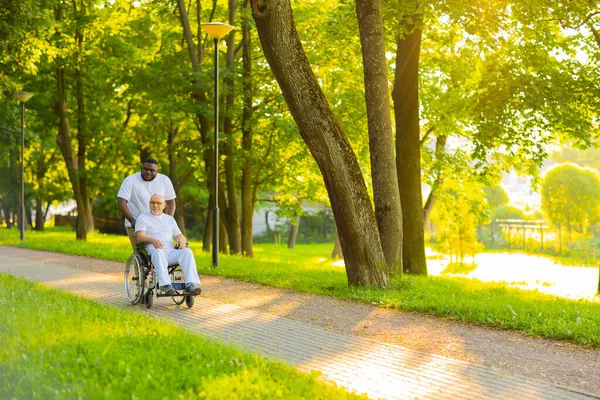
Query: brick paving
point(378, 369)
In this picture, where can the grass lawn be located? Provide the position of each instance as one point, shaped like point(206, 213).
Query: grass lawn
point(308, 268)
point(56, 345)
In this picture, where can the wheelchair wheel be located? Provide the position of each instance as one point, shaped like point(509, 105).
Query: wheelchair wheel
point(150, 279)
point(189, 301)
point(149, 298)
point(134, 279)
point(177, 277)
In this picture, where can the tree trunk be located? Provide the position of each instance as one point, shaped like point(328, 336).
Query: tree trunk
point(223, 237)
point(225, 218)
point(7, 218)
point(28, 215)
point(63, 140)
point(207, 237)
point(440, 143)
point(336, 254)
point(233, 213)
point(39, 216)
point(201, 120)
point(173, 174)
point(90, 216)
point(355, 219)
point(247, 131)
point(408, 151)
point(293, 231)
point(381, 142)
point(83, 209)
point(40, 178)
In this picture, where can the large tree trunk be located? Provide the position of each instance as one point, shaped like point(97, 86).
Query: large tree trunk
point(247, 202)
point(440, 143)
point(355, 219)
point(381, 142)
point(233, 213)
point(408, 150)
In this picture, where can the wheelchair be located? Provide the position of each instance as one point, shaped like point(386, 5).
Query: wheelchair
point(141, 281)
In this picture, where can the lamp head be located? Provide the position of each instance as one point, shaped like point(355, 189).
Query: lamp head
point(217, 30)
point(23, 96)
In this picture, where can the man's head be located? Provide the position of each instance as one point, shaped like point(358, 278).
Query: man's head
point(149, 169)
point(157, 204)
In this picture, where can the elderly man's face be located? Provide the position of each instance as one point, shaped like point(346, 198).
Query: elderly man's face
point(149, 171)
point(157, 205)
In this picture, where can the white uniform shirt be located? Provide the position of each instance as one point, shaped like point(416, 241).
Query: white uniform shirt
point(162, 227)
point(137, 192)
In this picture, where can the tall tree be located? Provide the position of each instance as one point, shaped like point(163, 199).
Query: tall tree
point(408, 147)
point(64, 140)
point(247, 134)
point(385, 181)
point(355, 220)
point(231, 210)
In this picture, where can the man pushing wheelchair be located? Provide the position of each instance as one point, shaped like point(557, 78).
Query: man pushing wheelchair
point(142, 203)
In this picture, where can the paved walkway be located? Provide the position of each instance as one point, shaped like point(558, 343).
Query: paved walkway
point(363, 365)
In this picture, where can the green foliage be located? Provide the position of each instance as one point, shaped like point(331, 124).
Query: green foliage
point(496, 196)
point(571, 196)
point(74, 347)
point(589, 157)
point(508, 212)
point(310, 269)
point(461, 208)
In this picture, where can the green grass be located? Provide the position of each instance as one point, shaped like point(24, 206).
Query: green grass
point(459, 268)
point(308, 268)
point(59, 346)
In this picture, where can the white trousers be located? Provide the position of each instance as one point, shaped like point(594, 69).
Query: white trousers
point(162, 259)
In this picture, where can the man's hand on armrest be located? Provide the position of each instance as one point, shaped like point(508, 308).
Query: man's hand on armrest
point(181, 241)
point(142, 237)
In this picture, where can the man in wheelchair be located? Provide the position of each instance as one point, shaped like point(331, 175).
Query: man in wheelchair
point(158, 230)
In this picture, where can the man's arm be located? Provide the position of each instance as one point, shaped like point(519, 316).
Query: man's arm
point(125, 211)
point(142, 237)
point(170, 207)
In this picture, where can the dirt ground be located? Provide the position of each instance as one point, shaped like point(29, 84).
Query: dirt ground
point(562, 363)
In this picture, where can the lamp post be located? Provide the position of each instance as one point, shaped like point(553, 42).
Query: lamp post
point(216, 30)
point(22, 97)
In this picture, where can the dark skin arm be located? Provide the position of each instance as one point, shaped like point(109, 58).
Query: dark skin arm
point(170, 207)
point(125, 211)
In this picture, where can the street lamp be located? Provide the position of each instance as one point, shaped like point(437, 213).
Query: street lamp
point(216, 30)
point(22, 97)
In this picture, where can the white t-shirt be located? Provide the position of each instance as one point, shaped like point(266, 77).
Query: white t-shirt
point(162, 227)
point(137, 192)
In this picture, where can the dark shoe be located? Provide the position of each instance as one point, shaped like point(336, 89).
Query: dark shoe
point(193, 289)
point(167, 290)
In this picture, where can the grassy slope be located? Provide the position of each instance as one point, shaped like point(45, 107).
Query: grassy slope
point(308, 269)
point(57, 345)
